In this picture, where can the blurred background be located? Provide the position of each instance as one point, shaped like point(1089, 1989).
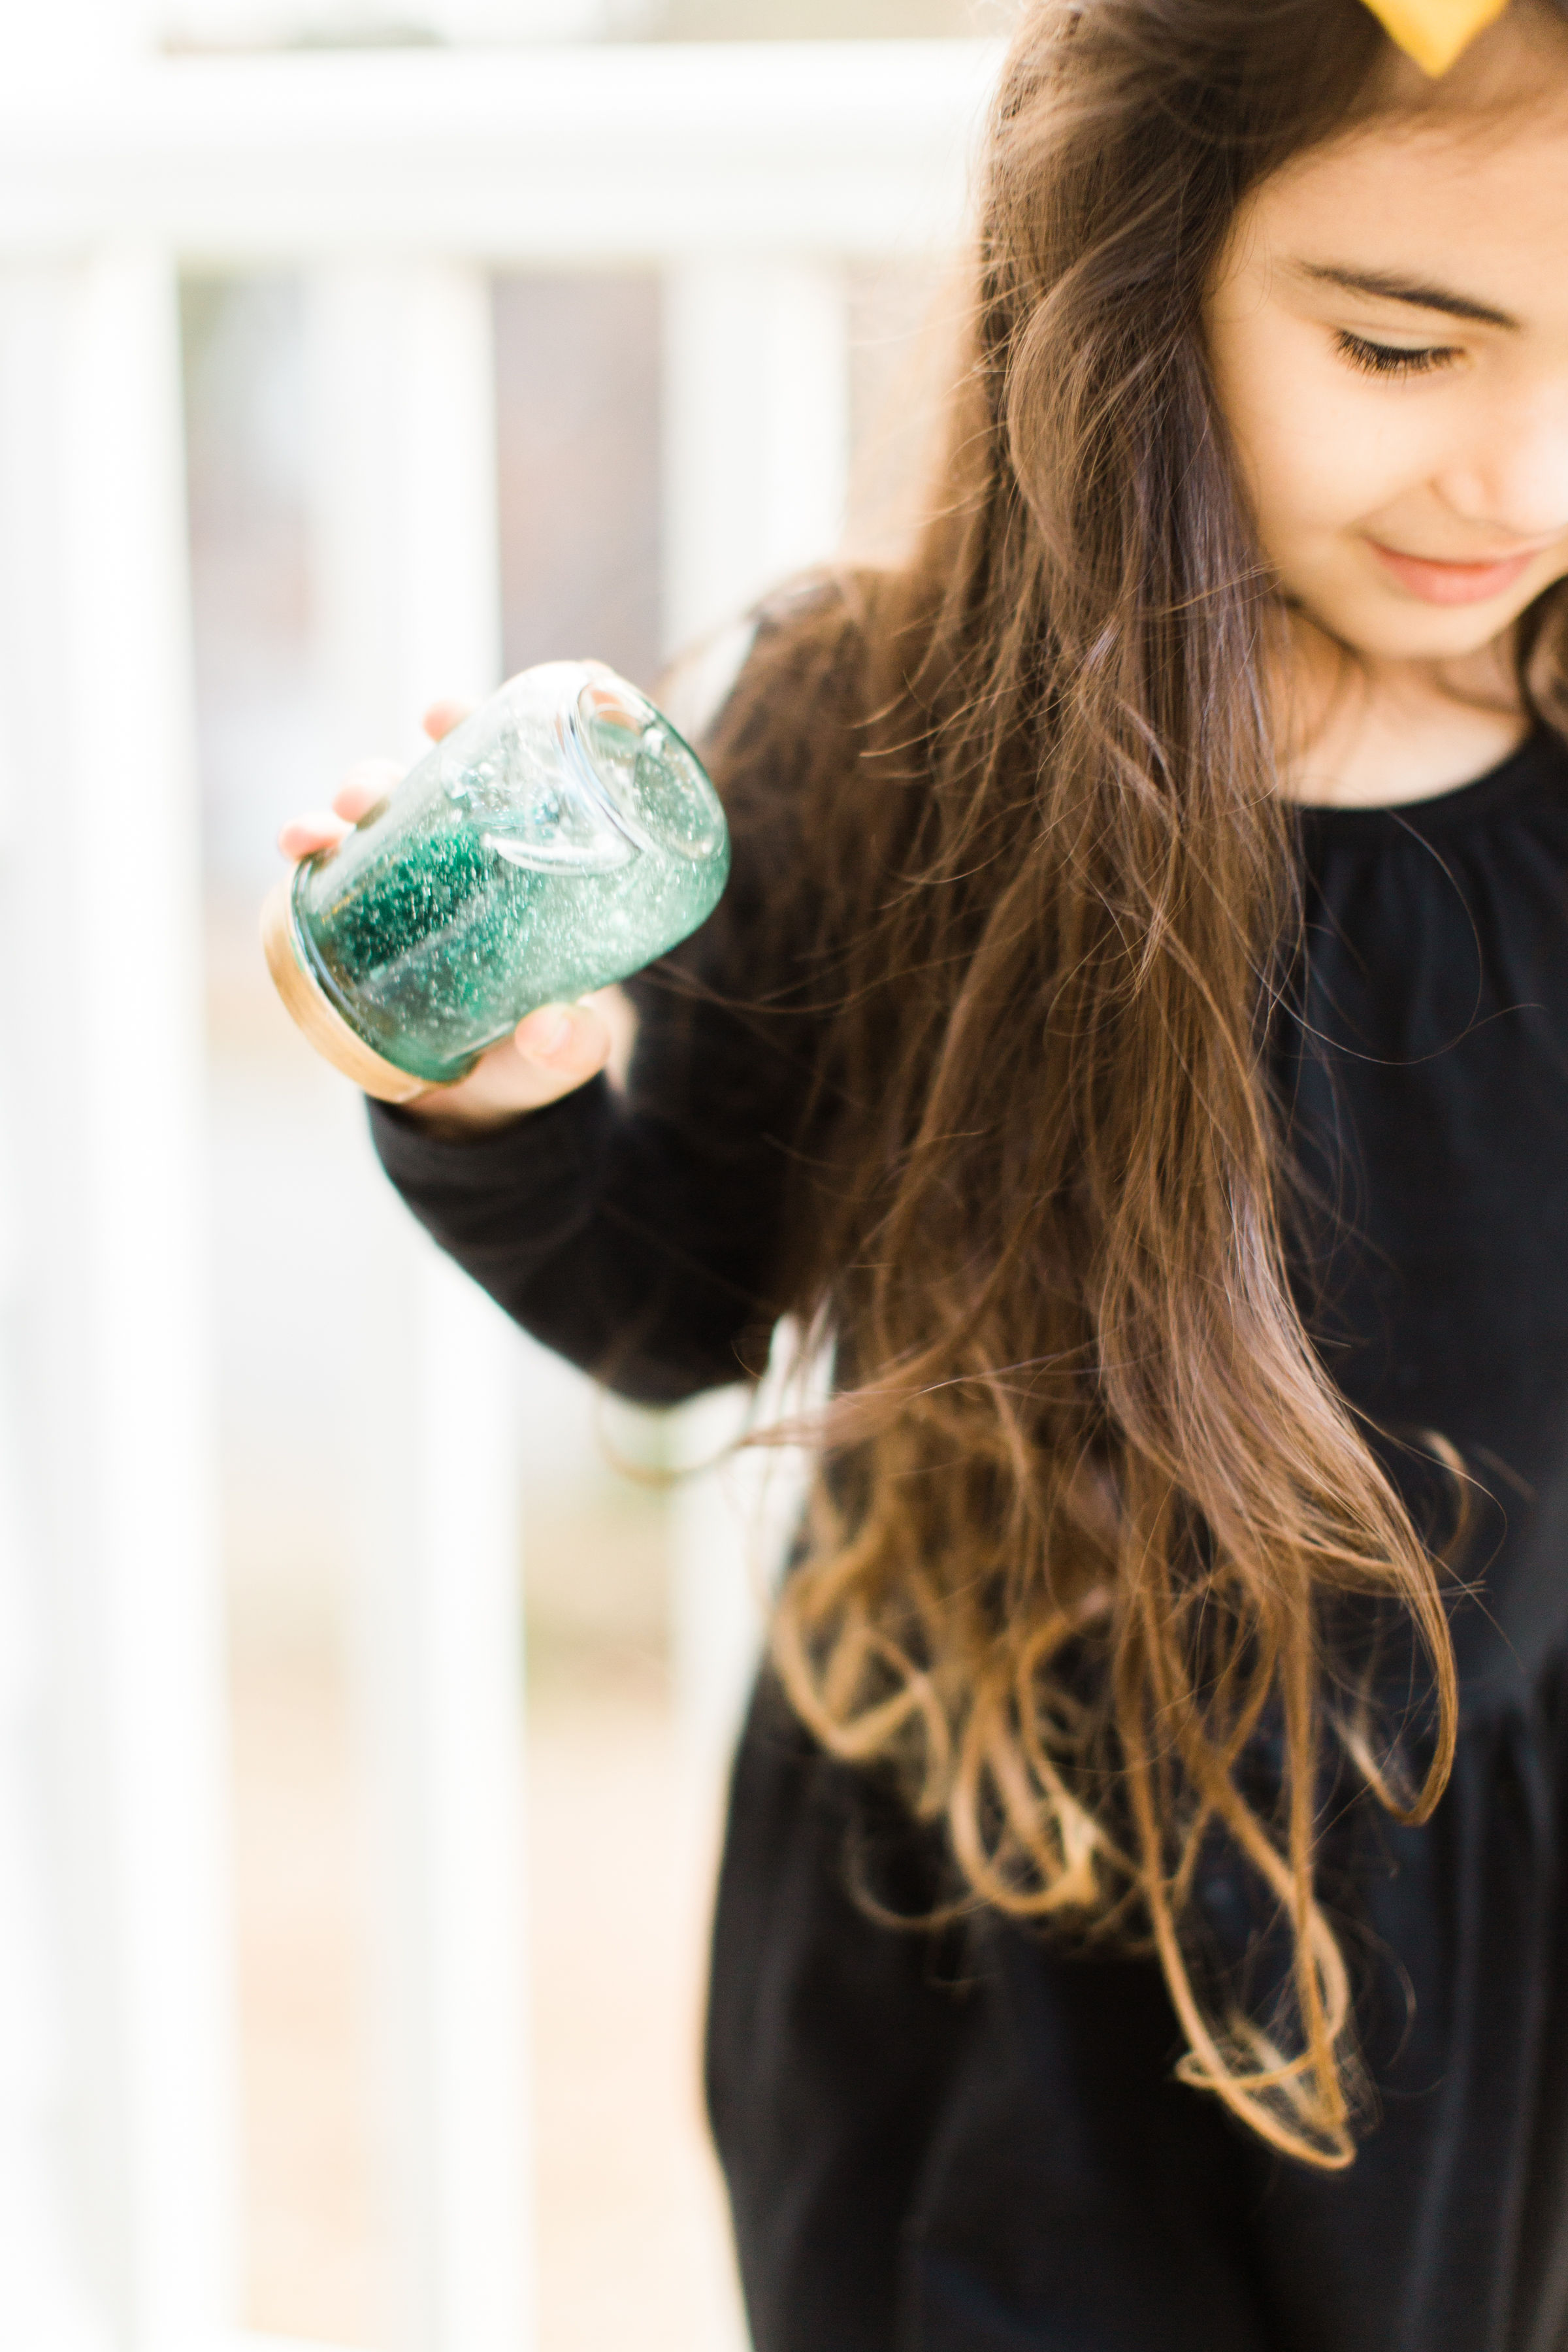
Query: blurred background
point(625, 1738)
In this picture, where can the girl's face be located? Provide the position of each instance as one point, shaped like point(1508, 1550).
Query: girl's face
point(1389, 336)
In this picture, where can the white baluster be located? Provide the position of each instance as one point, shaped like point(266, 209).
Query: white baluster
point(45, 2294)
point(756, 456)
point(756, 461)
point(104, 951)
point(46, 2304)
point(407, 609)
point(737, 1510)
point(756, 434)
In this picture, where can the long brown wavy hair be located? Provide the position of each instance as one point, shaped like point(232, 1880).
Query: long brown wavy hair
point(1089, 1507)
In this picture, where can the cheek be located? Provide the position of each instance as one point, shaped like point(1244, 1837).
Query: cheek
point(1311, 479)
point(1319, 451)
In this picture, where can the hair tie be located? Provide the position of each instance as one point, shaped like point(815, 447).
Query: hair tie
point(1434, 32)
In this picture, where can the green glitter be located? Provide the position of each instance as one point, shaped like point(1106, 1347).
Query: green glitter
point(514, 867)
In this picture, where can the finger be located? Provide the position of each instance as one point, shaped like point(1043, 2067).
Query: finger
point(442, 717)
point(567, 1039)
point(607, 692)
point(363, 784)
point(303, 836)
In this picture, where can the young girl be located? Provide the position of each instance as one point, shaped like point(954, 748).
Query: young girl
point(1137, 1034)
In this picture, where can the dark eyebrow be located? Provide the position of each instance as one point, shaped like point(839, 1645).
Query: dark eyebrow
point(1386, 288)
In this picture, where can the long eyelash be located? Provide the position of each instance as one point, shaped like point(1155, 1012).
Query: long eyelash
point(1386, 359)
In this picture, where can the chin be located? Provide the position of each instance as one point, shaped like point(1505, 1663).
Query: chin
point(1394, 630)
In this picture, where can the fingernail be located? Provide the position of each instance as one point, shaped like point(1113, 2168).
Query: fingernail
point(548, 1031)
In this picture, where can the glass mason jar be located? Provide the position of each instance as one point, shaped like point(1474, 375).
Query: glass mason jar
point(561, 838)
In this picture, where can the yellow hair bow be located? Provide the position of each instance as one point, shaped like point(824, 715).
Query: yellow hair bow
point(1434, 32)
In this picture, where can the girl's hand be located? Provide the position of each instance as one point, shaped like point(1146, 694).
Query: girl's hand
point(556, 1049)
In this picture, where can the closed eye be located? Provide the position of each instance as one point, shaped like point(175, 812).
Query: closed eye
point(1390, 359)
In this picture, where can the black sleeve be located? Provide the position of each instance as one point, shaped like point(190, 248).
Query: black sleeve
point(644, 1235)
point(611, 1227)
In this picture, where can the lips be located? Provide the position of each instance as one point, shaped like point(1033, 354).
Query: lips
point(1436, 582)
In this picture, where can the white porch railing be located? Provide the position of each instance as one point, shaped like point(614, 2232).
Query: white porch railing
point(750, 175)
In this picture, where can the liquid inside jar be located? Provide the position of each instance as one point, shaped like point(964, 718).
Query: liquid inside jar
point(561, 838)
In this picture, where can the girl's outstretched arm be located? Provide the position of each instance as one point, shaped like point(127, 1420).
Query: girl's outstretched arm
point(641, 1232)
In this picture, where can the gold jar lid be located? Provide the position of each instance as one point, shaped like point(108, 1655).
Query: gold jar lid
point(316, 1014)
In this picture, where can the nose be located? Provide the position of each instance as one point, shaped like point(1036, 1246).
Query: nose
point(1510, 474)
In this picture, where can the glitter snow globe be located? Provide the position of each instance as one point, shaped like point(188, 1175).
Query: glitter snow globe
point(560, 838)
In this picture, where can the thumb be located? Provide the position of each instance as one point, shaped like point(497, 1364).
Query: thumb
point(571, 1040)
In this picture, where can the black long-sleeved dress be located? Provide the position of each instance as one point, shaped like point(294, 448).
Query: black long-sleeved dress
point(984, 2148)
